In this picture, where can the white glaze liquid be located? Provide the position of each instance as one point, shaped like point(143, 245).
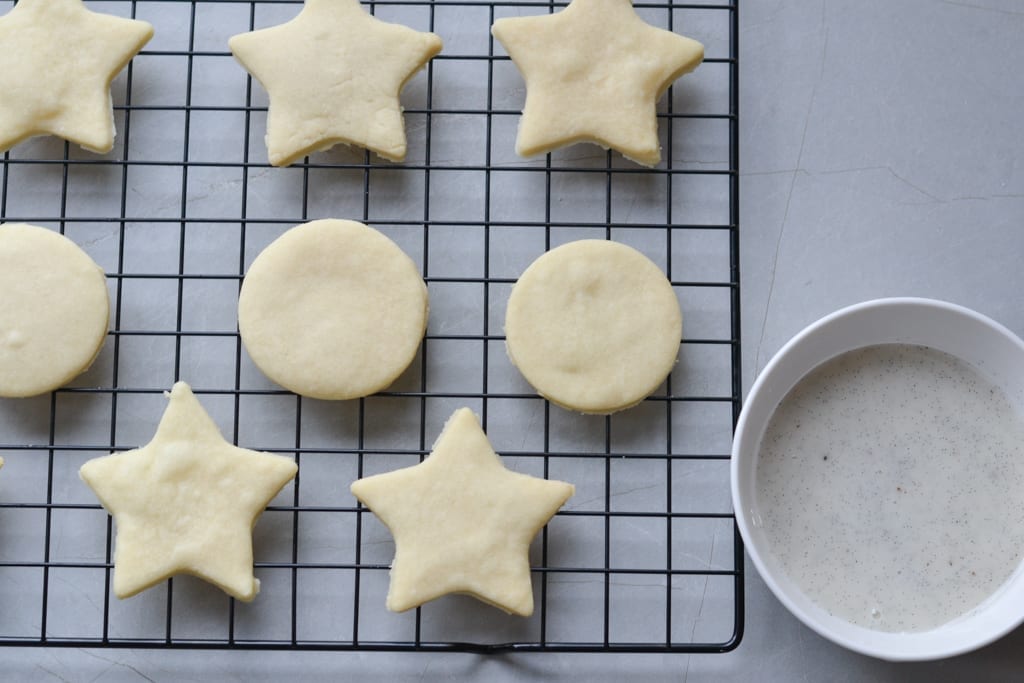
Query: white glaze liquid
point(890, 484)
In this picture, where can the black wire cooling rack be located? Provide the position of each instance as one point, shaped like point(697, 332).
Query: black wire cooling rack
point(645, 557)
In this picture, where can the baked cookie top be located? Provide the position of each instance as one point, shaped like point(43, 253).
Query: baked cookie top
point(462, 522)
point(54, 310)
point(186, 502)
point(334, 74)
point(593, 73)
point(594, 326)
point(57, 60)
point(333, 309)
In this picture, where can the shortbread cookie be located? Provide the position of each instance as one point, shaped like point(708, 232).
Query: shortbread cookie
point(186, 503)
point(594, 326)
point(334, 74)
point(54, 309)
point(593, 73)
point(57, 60)
point(333, 309)
point(462, 523)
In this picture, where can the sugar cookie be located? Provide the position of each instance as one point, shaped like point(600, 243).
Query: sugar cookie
point(462, 522)
point(333, 309)
point(57, 60)
point(186, 502)
point(593, 73)
point(594, 326)
point(54, 309)
point(334, 74)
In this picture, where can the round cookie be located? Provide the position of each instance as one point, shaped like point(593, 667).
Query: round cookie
point(54, 310)
point(594, 326)
point(332, 309)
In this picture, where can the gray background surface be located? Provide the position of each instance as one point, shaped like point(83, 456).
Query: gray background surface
point(881, 155)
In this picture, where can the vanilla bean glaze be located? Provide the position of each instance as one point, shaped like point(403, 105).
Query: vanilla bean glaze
point(890, 484)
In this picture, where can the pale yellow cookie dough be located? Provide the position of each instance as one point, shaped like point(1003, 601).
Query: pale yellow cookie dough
point(54, 310)
point(334, 74)
point(57, 60)
point(593, 73)
point(462, 522)
point(333, 309)
point(186, 502)
point(594, 326)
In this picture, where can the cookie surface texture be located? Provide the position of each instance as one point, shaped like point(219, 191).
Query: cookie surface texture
point(54, 310)
point(594, 326)
point(57, 60)
point(462, 522)
point(593, 73)
point(333, 309)
point(186, 502)
point(334, 74)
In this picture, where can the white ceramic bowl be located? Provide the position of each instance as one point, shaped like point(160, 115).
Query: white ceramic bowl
point(988, 346)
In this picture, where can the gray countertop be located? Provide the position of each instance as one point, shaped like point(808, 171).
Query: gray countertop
point(882, 154)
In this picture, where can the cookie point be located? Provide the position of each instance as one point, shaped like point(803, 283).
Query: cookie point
point(178, 389)
point(524, 610)
point(146, 30)
point(434, 43)
point(251, 594)
point(460, 415)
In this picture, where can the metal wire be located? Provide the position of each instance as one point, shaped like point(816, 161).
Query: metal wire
point(34, 582)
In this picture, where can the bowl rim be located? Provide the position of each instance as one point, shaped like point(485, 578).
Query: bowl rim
point(746, 446)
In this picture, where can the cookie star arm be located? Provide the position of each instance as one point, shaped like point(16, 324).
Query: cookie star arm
point(387, 495)
point(524, 38)
point(128, 36)
point(672, 56)
point(503, 576)
point(110, 474)
point(256, 52)
point(111, 42)
point(412, 50)
point(185, 419)
point(542, 497)
point(141, 557)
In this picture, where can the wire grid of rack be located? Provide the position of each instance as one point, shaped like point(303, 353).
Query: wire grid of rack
point(644, 558)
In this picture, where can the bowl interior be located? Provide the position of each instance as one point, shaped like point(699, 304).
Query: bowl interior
point(990, 348)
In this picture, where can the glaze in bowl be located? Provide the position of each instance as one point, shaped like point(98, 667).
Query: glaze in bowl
point(991, 349)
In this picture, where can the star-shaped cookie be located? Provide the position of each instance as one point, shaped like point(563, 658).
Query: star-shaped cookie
point(334, 74)
point(57, 60)
point(186, 502)
point(462, 522)
point(593, 73)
